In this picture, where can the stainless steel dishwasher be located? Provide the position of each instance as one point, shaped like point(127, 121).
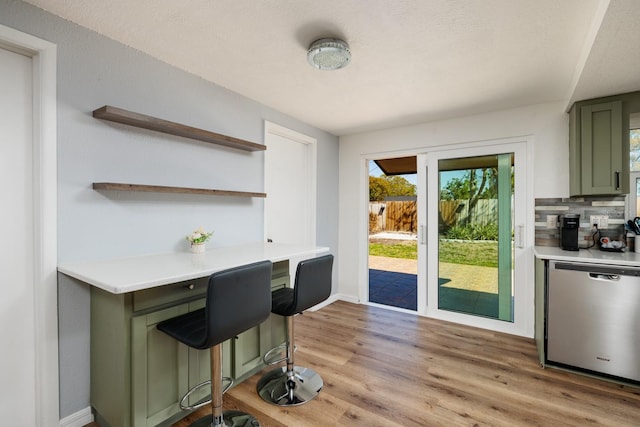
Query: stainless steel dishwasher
point(593, 318)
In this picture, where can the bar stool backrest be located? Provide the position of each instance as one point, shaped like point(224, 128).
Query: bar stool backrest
point(313, 283)
point(237, 300)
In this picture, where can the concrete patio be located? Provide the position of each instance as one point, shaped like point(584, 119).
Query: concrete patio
point(459, 276)
point(466, 288)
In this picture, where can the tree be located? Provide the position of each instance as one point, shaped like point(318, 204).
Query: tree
point(456, 189)
point(384, 186)
point(476, 190)
point(399, 186)
point(475, 184)
point(378, 188)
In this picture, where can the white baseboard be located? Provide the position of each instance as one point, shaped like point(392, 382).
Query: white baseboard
point(347, 298)
point(334, 298)
point(78, 419)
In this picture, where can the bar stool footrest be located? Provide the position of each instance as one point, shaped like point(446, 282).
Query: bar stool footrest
point(206, 400)
point(266, 359)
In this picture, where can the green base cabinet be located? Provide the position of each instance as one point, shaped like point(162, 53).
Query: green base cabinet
point(540, 304)
point(139, 374)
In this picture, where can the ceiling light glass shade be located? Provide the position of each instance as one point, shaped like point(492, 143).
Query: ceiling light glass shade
point(329, 54)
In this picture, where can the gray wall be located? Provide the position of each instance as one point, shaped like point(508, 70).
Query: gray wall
point(94, 71)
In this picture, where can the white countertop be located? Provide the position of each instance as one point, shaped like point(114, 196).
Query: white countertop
point(594, 256)
point(124, 275)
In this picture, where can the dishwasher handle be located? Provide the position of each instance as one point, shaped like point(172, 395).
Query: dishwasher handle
point(597, 269)
point(605, 277)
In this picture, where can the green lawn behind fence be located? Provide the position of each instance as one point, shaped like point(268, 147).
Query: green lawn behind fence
point(481, 253)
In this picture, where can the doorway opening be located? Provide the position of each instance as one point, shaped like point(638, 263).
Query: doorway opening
point(393, 256)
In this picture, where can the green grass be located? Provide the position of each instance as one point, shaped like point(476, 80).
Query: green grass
point(408, 250)
point(476, 253)
point(483, 254)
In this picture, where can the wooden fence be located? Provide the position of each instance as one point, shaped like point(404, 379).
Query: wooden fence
point(401, 216)
point(393, 216)
point(456, 212)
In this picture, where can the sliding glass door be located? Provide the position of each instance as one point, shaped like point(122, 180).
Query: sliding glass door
point(472, 238)
point(475, 229)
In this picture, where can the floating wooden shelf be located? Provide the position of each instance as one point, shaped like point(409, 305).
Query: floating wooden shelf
point(119, 115)
point(164, 189)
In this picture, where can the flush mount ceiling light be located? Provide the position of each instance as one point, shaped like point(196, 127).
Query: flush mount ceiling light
point(329, 54)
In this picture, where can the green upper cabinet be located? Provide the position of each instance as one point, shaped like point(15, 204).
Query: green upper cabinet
point(602, 149)
point(599, 146)
point(599, 149)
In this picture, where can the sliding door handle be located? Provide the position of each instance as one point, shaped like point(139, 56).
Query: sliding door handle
point(519, 236)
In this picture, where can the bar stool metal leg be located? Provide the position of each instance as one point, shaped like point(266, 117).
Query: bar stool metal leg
point(289, 385)
point(217, 417)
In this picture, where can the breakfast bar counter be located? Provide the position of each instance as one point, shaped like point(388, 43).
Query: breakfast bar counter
point(139, 374)
point(124, 275)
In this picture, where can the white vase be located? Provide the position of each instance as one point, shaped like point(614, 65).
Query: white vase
point(198, 248)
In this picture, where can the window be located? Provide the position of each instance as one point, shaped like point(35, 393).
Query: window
point(634, 166)
point(634, 157)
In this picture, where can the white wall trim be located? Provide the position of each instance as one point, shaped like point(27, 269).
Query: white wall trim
point(78, 419)
point(43, 55)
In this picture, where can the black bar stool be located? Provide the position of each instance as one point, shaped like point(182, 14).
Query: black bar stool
point(237, 300)
point(294, 385)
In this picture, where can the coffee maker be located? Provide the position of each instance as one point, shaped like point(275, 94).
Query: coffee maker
point(569, 225)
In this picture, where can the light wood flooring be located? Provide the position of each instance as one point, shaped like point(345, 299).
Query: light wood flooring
point(386, 368)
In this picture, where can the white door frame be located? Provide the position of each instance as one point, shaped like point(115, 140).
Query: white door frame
point(311, 143)
point(523, 323)
point(525, 229)
point(363, 235)
point(43, 54)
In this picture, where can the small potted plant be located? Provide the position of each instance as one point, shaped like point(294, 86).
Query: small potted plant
point(197, 239)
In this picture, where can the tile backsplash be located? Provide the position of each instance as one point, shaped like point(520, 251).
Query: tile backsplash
point(613, 206)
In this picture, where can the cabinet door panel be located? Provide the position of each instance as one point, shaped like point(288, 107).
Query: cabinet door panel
point(159, 367)
point(248, 351)
point(162, 377)
point(602, 145)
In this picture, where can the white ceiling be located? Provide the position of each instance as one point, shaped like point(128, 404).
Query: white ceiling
point(413, 60)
